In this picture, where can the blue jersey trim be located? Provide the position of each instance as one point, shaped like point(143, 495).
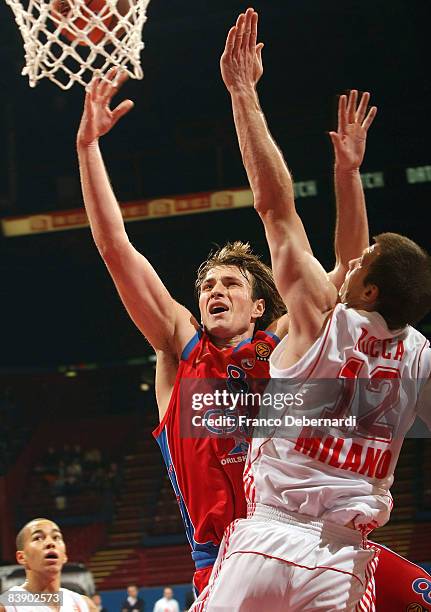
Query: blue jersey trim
point(205, 558)
point(204, 555)
point(191, 345)
point(271, 335)
point(238, 346)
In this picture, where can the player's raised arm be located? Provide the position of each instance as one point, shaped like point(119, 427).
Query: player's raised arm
point(349, 141)
point(166, 324)
point(270, 179)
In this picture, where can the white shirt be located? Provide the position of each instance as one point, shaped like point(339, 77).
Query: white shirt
point(166, 605)
point(72, 602)
point(329, 474)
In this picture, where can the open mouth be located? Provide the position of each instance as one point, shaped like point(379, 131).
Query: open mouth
point(218, 309)
point(51, 555)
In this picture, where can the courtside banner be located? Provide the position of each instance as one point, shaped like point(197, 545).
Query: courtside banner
point(139, 210)
point(374, 411)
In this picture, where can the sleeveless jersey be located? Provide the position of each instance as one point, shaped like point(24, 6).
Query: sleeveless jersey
point(206, 472)
point(72, 602)
point(330, 473)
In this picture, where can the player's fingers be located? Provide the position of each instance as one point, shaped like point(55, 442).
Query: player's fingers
point(253, 34)
point(335, 138)
point(124, 107)
point(245, 43)
point(362, 108)
point(106, 82)
point(94, 87)
point(259, 51)
point(342, 113)
point(370, 117)
point(239, 35)
point(230, 41)
point(88, 108)
point(121, 77)
point(351, 105)
point(89, 90)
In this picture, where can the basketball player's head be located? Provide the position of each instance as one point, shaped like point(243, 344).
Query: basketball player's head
point(393, 277)
point(40, 547)
point(236, 290)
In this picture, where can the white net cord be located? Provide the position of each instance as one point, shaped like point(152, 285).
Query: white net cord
point(68, 41)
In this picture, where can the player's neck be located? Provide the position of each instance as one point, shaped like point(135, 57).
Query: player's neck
point(41, 583)
point(226, 343)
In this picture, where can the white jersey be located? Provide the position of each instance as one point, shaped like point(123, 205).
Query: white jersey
point(327, 472)
point(72, 602)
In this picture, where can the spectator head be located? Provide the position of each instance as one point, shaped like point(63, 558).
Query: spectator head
point(168, 593)
point(132, 591)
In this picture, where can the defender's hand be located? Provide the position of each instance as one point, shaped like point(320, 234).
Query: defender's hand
point(350, 139)
point(241, 63)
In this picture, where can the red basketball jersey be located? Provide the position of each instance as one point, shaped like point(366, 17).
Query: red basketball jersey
point(206, 472)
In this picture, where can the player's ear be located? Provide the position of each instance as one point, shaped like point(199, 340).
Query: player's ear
point(20, 557)
point(258, 308)
point(370, 294)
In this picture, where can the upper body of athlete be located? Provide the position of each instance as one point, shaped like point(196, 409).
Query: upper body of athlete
point(271, 183)
point(206, 471)
point(42, 552)
point(391, 277)
point(165, 323)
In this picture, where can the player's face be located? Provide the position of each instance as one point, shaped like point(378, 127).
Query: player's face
point(44, 550)
point(226, 304)
point(353, 291)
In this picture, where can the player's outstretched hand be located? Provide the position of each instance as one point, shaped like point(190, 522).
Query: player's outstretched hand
point(241, 62)
point(98, 118)
point(351, 136)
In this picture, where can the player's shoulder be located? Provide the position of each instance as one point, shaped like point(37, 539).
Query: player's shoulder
point(90, 603)
point(186, 328)
point(77, 597)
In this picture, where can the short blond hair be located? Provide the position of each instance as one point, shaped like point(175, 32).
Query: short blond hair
point(240, 255)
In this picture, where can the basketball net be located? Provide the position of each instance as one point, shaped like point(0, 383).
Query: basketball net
point(49, 53)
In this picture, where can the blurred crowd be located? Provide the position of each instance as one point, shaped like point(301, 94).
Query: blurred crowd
point(133, 601)
point(71, 470)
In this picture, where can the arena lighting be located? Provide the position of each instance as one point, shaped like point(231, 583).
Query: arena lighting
point(71, 373)
point(144, 386)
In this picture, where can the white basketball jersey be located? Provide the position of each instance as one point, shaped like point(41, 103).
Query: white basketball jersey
point(328, 472)
point(72, 602)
